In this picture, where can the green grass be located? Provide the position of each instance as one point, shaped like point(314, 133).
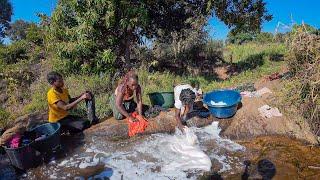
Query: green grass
point(76, 84)
point(164, 81)
point(155, 82)
point(241, 52)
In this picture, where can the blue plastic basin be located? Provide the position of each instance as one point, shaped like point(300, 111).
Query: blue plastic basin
point(52, 141)
point(230, 97)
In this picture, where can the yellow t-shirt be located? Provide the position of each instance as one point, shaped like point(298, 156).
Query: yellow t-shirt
point(55, 113)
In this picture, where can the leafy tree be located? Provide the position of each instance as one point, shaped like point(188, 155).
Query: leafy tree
point(18, 30)
point(35, 34)
point(5, 16)
point(14, 52)
point(240, 38)
point(99, 34)
point(242, 16)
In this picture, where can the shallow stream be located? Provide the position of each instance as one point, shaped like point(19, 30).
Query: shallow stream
point(159, 156)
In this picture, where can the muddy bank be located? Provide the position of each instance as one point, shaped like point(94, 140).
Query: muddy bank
point(280, 157)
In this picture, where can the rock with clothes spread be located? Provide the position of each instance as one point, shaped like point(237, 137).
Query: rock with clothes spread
point(269, 112)
point(164, 123)
point(257, 93)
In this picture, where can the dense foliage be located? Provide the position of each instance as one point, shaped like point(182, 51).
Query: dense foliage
point(304, 61)
point(5, 17)
point(98, 36)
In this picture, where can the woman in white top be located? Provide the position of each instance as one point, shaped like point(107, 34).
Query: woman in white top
point(184, 97)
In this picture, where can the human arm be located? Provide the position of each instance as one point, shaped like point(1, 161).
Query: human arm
point(178, 118)
point(68, 106)
point(75, 98)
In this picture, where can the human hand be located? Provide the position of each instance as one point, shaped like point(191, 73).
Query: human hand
point(132, 119)
point(86, 96)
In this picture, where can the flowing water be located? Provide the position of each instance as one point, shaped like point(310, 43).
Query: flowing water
point(199, 153)
point(158, 156)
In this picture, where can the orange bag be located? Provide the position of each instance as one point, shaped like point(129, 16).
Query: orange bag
point(138, 126)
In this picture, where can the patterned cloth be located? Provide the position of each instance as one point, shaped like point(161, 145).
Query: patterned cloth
point(138, 126)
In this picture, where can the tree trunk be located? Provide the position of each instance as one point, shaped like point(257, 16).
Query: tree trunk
point(127, 49)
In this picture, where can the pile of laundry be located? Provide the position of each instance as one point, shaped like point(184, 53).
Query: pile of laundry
point(269, 112)
point(257, 93)
point(20, 140)
point(248, 90)
point(154, 111)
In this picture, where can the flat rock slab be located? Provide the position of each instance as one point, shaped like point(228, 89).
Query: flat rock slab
point(164, 123)
point(248, 123)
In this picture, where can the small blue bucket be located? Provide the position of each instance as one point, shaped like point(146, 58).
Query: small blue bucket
point(226, 102)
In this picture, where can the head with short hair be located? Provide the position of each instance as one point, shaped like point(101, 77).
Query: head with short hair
point(55, 79)
point(187, 97)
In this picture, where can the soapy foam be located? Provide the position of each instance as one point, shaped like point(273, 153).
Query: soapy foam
point(159, 156)
point(174, 155)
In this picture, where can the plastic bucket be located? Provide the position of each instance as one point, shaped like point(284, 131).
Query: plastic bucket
point(51, 141)
point(23, 157)
point(230, 98)
point(163, 99)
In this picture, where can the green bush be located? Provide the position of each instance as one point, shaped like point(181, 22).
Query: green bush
point(38, 97)
point(264, 37)
point(304, 61)
point(14, 52)
point(4, 118)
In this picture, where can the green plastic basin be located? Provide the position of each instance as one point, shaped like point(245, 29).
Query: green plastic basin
point(163, 99)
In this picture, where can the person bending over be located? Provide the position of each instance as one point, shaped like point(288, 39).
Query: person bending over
point(122, 101)
point(184, 97)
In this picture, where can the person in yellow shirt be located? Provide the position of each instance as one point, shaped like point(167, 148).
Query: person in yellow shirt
point(60, 102)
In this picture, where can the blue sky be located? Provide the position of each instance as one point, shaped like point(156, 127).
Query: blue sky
point(301, 10)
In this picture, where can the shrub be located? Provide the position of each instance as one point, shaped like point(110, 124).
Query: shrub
point(304, 61)
point(14, 52)
point(4, 117)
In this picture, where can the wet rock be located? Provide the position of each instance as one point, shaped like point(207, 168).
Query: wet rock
point(216, 165)
point(164, 123)
point(33, 119)
point(90, 170)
